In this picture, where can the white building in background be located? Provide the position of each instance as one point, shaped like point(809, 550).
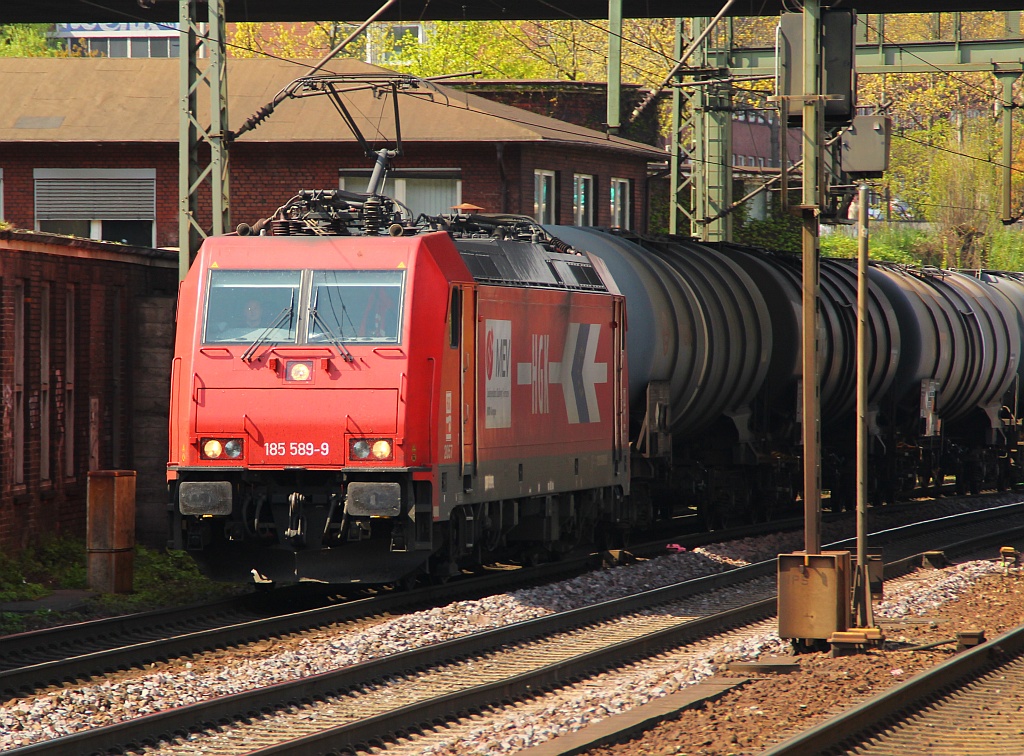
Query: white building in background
point(121, 40)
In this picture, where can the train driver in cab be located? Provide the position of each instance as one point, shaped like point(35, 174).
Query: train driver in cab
point(245, 324)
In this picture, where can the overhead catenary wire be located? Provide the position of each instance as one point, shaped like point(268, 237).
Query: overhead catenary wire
point(264, 112)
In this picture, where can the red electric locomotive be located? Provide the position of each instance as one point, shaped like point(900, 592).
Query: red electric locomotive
point(366, 408)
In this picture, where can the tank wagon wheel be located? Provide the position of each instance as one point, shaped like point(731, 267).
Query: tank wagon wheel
point(408, 582)
point(612, 536)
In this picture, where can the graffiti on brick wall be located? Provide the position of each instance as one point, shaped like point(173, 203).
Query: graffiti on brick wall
point(7, 428)
point(94, 433)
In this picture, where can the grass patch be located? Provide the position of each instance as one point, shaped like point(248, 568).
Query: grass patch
point(161, 579)
point(886, 242)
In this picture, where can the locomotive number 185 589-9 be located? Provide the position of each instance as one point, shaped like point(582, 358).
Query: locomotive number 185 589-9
point(296, 448)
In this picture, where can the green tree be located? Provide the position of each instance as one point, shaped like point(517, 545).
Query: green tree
point(292, 40)
point(963, 193)
point(567, 50)
point(490, 47)
point(26, 41)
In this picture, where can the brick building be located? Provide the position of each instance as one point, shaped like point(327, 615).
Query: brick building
point(88, 146)
point(85, 330)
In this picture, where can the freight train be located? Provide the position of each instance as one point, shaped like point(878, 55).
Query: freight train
point(360, 398)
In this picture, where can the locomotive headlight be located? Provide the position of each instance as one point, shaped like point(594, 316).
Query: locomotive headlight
point(360, 449)
point(218, 448)
point(212, 448)
point(371, 448)
point(299, 371)
point(382, 449)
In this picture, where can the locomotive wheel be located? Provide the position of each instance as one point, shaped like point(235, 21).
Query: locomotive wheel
point(536, 556)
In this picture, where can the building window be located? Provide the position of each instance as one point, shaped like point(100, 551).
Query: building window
point(44, 382)
point(431, 191)
point(386, 43)
point(621, 209)
point(18, 431)
point(583, 199)
point(68, 408)
point(114, 40)
point(110, 204)
point(544, 210)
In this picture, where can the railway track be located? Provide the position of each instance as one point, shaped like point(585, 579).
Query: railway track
point(966, 705)
point(32, 660)
point(392, 694)
point(29, 661)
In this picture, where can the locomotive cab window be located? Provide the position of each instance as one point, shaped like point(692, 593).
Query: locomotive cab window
point(356, 306)
point(245, 305)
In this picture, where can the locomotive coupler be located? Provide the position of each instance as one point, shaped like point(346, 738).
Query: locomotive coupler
point(197, 535)
point(398, 539)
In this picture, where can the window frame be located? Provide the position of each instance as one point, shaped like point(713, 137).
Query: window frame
point(545, 211)
point(397, 182)
point(583, 212)
point(620, 202)
point(94, 196)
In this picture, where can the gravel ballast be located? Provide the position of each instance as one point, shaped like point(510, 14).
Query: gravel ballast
point(73, 708)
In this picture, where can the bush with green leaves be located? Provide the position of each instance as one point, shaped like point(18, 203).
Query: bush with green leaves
point(160, 578)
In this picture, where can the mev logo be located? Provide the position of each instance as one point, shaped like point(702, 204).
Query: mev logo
point(499, 351)
point(498, 377)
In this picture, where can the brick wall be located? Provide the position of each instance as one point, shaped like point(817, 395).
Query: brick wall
point(99, 285)
point(153, 331)
point(581, 103)
point(264, 176)
point(602, 166)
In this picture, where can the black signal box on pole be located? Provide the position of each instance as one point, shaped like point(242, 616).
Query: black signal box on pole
point(839, 73)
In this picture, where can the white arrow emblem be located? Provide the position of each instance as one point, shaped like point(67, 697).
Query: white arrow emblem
point(578, 373)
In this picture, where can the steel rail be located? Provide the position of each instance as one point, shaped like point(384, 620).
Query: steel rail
point(910, 696)
point(183, 720)
point(31, 660)
point(137, 653)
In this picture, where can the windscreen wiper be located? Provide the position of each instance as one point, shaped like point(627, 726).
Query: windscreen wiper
point(284, 315)
point(318, 318)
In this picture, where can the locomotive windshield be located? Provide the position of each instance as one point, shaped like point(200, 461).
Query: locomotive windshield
point(248, 305)
point(356, 305)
